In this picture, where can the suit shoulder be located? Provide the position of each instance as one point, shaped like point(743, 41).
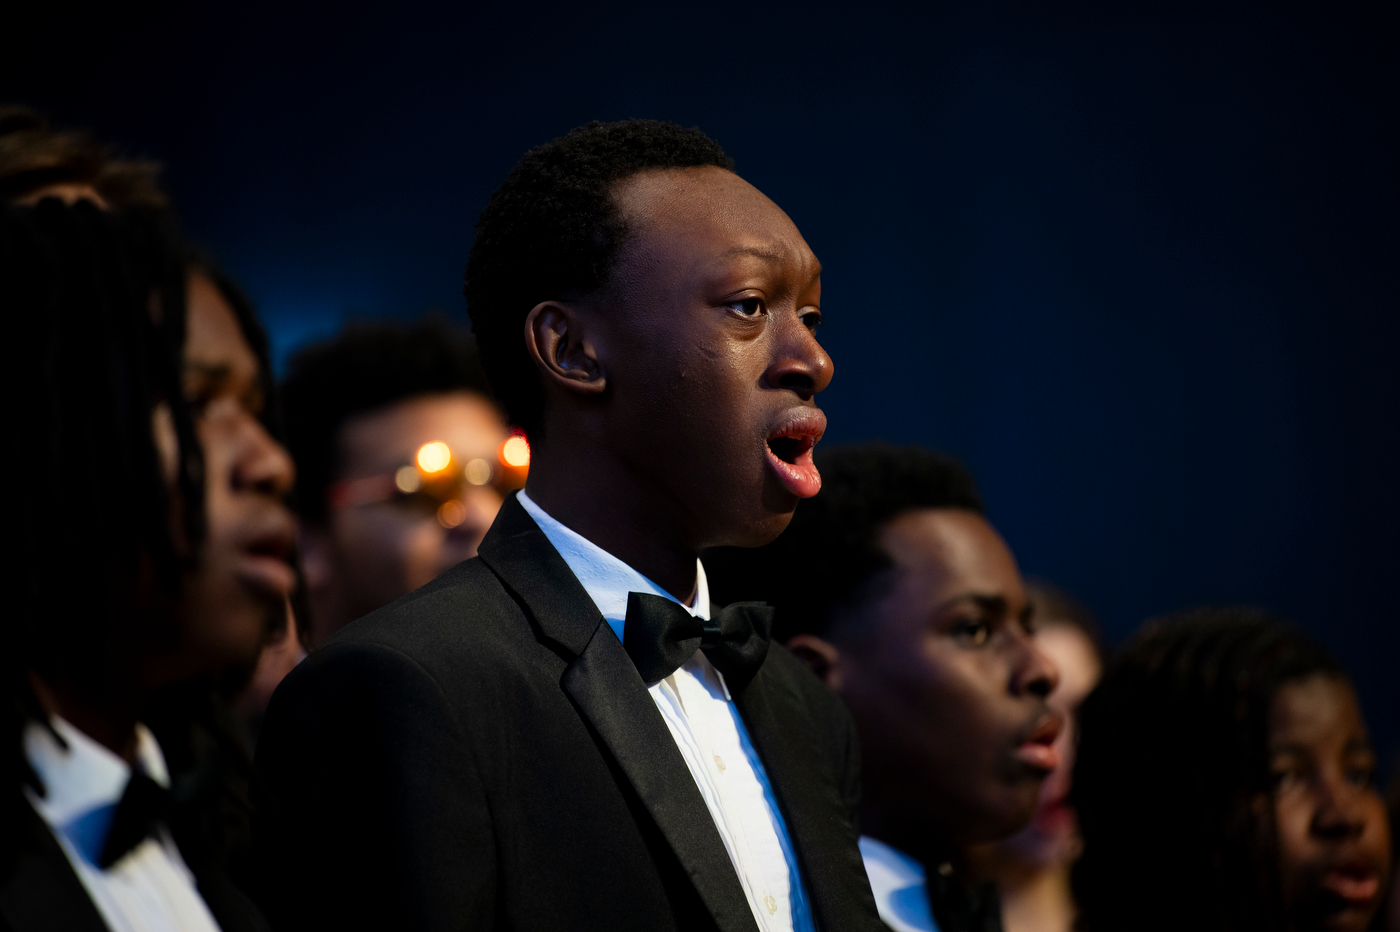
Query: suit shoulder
point(468, 597)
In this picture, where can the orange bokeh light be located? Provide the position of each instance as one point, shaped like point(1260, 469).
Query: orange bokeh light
point(434, 457)
point(515, 452)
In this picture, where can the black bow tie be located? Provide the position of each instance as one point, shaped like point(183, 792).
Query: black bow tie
point(660, 635)
point(143, 807)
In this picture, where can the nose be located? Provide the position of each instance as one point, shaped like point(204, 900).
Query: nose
point(265, 465)
point(799, 363)
point(1034, 674)
point(1337, 813)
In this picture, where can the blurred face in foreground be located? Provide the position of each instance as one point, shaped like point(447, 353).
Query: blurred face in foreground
point(1333, 837)
point(947, 687)
point(239, 586)
point(381, 546)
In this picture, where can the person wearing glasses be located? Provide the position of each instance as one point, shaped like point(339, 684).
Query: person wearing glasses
point(401, 463)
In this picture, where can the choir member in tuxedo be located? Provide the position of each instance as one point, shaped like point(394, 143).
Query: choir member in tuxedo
point(893, 586)
point(564, 732)
point(149, 561)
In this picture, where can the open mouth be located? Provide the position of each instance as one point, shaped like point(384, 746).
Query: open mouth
point(264, 564)
point(1037, 747)
point(790, 451)
point(1354, 884)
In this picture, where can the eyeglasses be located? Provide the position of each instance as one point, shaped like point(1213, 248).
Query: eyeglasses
point(437, 477)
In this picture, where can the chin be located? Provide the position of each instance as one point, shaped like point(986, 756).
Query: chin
point(764, 529)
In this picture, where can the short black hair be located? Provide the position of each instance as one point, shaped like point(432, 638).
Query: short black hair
point(831, 550)
point(369, 365)
point(552, 231)
point(1173, 749)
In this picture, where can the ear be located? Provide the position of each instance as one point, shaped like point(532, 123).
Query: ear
point(555, 340)
point(821, 657)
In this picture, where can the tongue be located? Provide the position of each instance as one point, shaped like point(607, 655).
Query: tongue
point(800, 477)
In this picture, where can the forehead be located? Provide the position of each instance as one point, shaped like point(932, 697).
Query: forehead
point(1314, 709)
point(954, 550)
point(1074, 656)
point(213, 338)
point(705, 215)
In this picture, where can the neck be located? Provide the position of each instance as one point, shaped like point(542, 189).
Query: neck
point(1037, 902)
point(109, 718)
point(602, 502)
point(928, 848)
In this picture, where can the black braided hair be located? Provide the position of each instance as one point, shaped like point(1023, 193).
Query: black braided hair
point(95, 307)
point(829, 553)
point(1171, 780)
point(552, 231)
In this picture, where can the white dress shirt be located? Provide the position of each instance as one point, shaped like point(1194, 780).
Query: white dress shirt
point(698, 711)
point(900, 887)
point(148, 890)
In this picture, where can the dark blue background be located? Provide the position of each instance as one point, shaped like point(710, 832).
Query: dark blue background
point(1137, 267)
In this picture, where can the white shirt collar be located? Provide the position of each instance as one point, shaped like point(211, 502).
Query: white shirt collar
point(84, 781)
point(605, 578)
point(900, 886)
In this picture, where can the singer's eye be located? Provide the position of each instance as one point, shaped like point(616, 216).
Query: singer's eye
point(746, 307)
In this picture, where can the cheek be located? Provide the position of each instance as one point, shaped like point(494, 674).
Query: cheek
point(1292, 819)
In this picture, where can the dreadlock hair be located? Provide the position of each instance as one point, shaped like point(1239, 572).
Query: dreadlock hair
point(96, 302)
point(552, 231)
point(369, 365)
point(33, 156)
point(1171, 781)
point(96, 306)
point(825, 563)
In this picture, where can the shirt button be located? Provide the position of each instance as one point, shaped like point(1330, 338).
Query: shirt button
point(719, 763)
point(771, 903)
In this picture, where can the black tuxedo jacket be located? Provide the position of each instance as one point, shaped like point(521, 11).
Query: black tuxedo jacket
point(482, 754)
point(39, 892)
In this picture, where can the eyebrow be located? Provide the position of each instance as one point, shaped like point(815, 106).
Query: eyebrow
point(759, 252)
point(991, 603)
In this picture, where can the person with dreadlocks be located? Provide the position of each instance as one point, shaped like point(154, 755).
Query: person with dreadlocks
point(37, 161)
point(144, 438)
point(1225, 782)
point(563, 732)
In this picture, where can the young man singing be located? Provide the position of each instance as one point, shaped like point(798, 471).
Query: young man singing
point(564, 733)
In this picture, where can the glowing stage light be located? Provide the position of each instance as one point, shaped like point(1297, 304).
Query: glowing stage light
point(434, 457)
point(407, 480)
point(478, 472)
point(516, 452)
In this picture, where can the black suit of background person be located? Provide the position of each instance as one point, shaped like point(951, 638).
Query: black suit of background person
point(484, 753)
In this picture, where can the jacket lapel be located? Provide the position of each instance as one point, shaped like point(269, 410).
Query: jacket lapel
point(812, 807)
point(604, 685)
point(39, 891)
